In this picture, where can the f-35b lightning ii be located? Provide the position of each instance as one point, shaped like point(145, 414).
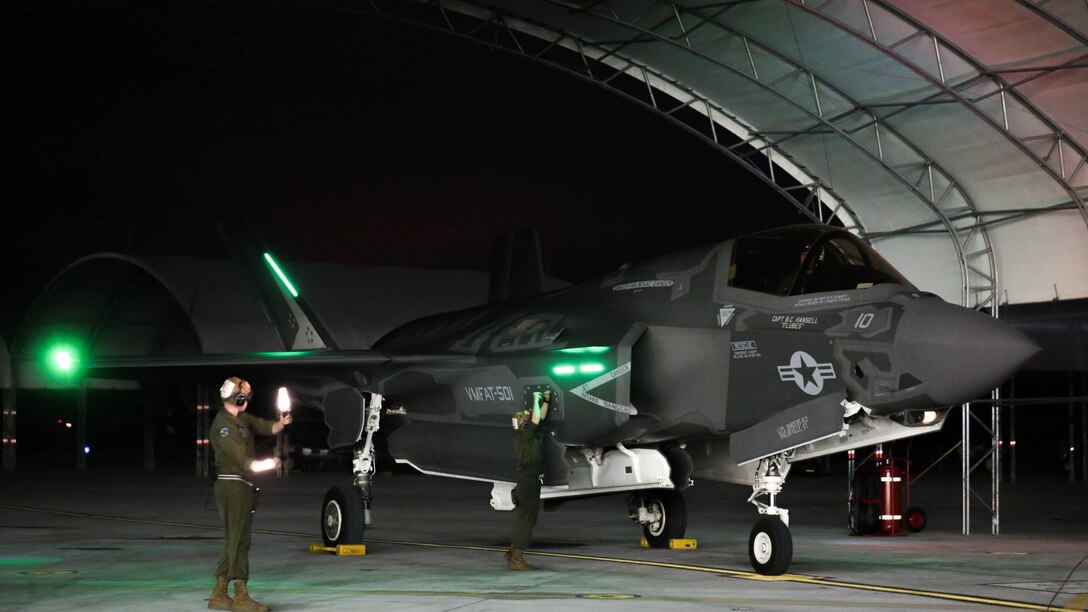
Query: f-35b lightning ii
point(728, 362)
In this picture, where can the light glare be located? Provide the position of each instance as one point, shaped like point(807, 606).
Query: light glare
point(283, 400)
point(63, 359)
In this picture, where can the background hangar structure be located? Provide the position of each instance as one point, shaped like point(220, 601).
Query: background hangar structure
point(951, 134)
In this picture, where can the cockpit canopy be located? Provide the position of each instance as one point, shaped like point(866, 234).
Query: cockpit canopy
point(804, 259)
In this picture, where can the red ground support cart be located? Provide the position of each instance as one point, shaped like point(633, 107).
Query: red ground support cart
point(879, 490)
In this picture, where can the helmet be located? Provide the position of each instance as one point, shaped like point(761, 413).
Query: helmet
point(232, 390)
point(521, 417)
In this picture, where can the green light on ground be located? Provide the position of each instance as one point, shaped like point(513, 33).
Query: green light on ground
point(18, 562)
point(279, 273)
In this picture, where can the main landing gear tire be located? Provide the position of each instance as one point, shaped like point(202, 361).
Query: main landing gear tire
point(770, 546)
point(671, 517)
point(342, 516)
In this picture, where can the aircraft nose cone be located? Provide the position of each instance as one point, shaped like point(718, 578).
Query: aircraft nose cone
point(958, 353)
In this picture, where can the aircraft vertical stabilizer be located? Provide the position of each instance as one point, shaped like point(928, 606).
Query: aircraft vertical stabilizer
point(517, 269)
point(294, 323)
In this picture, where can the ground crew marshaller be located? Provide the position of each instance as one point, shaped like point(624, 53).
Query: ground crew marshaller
point(529, 450)
point(232, 442)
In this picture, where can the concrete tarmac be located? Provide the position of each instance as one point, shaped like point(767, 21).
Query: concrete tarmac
point(115, 540)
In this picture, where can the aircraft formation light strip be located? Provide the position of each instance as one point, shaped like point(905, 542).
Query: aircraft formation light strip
point(279, 273)
point(583, 390)
point(799, 578)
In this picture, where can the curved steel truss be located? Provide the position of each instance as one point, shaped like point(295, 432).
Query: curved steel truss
point(703, 33)
point(680, 59)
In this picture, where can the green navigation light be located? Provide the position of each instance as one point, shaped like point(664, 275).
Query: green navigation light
point(564, 370)
point(62, 361)
point(591, 368)
point(279, 273)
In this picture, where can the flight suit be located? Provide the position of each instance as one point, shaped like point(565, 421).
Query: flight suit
point(529, 450)
point(232, 442)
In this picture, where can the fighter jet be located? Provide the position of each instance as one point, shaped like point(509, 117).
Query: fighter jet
point(727, 362)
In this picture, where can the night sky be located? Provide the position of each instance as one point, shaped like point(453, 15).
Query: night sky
point(132, 127)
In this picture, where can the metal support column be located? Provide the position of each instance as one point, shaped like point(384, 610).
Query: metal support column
point(994, 454)
point(1070, 445)
point(995, 472)
point(965, 467)
point(9, 429)
point(1012, 431)
point(81, 428)
point(1084, 427)
point(203, 423)
point(149, 431)
point(970, 464)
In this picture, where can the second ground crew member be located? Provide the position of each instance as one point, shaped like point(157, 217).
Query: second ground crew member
point(529, 450)
point(232, 441)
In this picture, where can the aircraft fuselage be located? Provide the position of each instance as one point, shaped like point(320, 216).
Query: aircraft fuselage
point(693, 347)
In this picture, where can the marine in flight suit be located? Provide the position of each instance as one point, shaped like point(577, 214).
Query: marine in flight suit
point(232, 440)
point(529, 450)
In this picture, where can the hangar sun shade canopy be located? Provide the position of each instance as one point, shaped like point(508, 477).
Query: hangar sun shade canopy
point(951, 134)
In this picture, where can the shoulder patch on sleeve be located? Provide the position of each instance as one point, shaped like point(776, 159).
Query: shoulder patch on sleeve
point(224, 432)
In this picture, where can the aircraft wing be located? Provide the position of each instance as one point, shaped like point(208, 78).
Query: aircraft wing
point(337, 364)
point(349, 358)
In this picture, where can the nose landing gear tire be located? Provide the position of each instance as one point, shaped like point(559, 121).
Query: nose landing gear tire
point(770, 546)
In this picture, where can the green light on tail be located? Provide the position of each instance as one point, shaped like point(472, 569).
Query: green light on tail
point(283, 277)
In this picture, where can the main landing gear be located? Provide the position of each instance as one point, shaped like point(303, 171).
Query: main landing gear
point(345, 513)
point(662, 514)
point(770, 546)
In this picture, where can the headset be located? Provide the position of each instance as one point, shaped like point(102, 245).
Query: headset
point(226, 392)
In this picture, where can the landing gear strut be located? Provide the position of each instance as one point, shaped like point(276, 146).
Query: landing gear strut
point(345, 514)
point(770, 546)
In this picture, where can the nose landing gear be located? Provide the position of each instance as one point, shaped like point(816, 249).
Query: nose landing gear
point(770, 545)
point(345, 513)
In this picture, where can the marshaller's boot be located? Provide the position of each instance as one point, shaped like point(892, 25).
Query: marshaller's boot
point(220, 600)
point(242, 601)
point(515, 560)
